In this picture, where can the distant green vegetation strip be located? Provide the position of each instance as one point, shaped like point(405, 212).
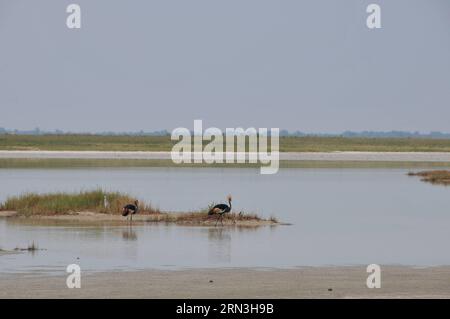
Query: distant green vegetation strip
point(163, 143)
point(84, 143)
point(111, 163)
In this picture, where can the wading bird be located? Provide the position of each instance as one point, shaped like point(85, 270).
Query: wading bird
point(220, 210)
point(130, 210)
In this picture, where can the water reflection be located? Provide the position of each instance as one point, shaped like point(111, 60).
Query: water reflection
point(129, 234)
point(219, 245)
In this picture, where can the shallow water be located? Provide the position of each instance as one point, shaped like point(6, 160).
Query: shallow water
point(339, 217)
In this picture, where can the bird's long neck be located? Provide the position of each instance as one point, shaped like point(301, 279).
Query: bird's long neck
point(229, 202)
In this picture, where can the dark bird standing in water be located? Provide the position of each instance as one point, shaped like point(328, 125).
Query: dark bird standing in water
point(130, 210)
point(220, 210)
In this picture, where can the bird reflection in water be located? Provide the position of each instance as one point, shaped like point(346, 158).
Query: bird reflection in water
point(219, 245)
point(129, 233)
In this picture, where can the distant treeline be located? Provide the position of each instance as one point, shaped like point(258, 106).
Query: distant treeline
point(285, 133)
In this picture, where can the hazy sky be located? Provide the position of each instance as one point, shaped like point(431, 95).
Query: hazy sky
point(309, 65)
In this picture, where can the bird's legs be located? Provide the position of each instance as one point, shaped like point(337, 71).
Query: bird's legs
point(217, 220)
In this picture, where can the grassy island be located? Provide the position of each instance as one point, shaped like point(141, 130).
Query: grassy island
point(100, 206)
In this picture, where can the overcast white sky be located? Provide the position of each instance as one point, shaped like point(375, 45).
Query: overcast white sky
point(159, 64)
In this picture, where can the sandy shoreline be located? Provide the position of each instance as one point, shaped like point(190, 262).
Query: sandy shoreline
point(284, 156)
point(309, 282)
point(91, 218)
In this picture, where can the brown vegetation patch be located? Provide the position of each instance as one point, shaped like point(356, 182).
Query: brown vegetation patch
point(440, 177)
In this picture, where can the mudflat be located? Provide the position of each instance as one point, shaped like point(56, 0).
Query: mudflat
point(308, 282)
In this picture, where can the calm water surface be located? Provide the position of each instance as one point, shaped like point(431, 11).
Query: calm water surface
point(339, 217)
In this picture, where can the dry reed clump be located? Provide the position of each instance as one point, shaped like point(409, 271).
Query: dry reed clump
point(202, 217)
point(31, 247)
point(441, 177)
